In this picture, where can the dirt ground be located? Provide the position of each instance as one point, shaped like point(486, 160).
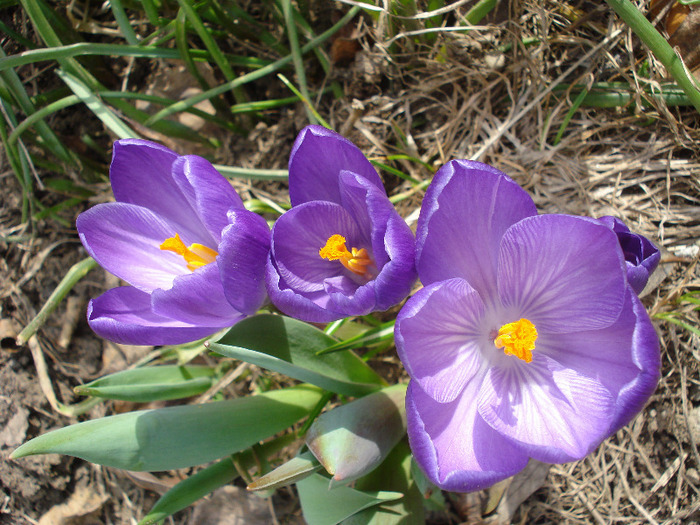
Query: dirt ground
point(461, 95)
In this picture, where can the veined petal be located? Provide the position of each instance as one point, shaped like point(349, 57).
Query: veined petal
point(346, 298)
point(563, 273)
point(438, 337)
point(465, 212)
point(309, 306)
point(555, 413)
point(207, 191)
point(141, 174)
point(317, 158)
point(196, 298)
point(243, 252)
point(367, 205)
point(124, 315)
point(398, 274)
point(641, 256)
point(391, 240)
point(453, 445)
point(623, 357)
point(125, 240)
point(300, 233)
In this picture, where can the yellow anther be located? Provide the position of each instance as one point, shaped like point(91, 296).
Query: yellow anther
point(357, 261)
point(517, 339)
point(196, 255)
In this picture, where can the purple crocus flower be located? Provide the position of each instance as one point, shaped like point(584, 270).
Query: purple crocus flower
point(527, 341)
point(179, 234)
point(342, 249)
point(641, 256)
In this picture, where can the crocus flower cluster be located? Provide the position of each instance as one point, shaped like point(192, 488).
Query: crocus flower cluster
point(528, 340)
point(179, 235)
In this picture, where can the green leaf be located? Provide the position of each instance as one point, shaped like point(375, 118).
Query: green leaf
point(328, 507)
point(211, 478)
point(191, 489)
point(393, 474)
point(153, 383)
point(353, 439)
point(178, 437)
point(290, 472)
point(289, 346)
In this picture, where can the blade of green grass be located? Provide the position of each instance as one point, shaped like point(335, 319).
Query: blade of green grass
point(293, 38)
point(251, 173)
point(76, 272)
point(151, 12)
point(85, 48)
point(400, 174)
point(101, 111)
point(620, 94)
point(123, 22)
point(671, 318)
point(570, 114)
point(209, 42)
point(477, 13)
point(315, 117)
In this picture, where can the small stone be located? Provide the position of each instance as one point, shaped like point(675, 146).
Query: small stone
point(694, 424)
point(693, 476)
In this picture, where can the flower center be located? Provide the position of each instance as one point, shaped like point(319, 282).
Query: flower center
point(517, 339)
point(195, 255)
point(357, 261)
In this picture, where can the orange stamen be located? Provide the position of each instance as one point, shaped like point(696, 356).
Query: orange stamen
point(517, 339)
point(196, 255)
point(357, 261)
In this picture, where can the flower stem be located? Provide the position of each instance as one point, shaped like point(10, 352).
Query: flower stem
point(659, 46)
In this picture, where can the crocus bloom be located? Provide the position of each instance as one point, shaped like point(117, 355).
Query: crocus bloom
point(179, 235)
point(342, 249)
point(527, 340)
point(641, 256)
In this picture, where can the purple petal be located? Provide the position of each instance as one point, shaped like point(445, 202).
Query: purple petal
point(641, 256)
point(125, 240)
point(646, 355)
point(207, 191)
point(455, 448)
point(124, 315)
point(300, 233)
point(563, 273)
point(392, 243)
point(242, 257)
point(196, 298)
point(396, 276)
point(317, 158)
point(368, 206)
point(438, 338)
point(623, 357)
point(344, 300)
point(557, 414)
point(465, 212)
point(141, 174)
point(310, 307)
point(340, 297)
